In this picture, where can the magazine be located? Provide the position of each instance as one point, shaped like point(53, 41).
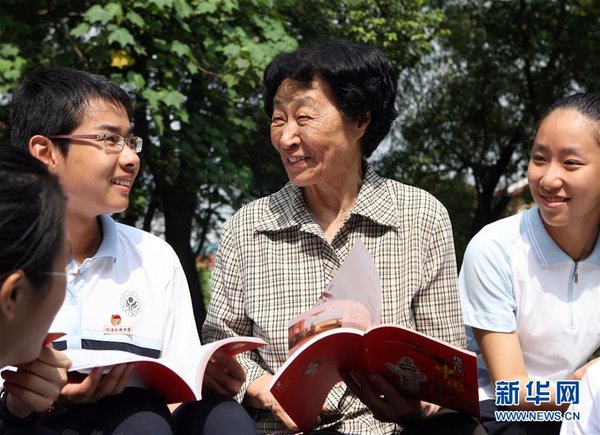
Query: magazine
point(340, 334)
point(176, 380)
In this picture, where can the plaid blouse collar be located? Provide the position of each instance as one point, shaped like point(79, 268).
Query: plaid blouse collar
point(287, 208)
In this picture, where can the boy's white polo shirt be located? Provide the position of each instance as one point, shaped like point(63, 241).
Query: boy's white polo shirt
point(132, 295)
point(515, 277)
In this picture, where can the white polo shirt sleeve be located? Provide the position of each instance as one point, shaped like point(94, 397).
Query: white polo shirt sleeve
point(181, 335)
point(485, 281)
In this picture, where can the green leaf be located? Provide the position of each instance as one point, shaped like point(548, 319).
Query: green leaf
point(159, 122)
point(8, 50)
point(80, 30)
point(137, 80)
point(205, 7)
point(152, 97)
point(192, 68)
point(115, 10)
point(242, 64)
point(180, 49)
point(183, 8)
point(97, 14)
point(173, 99)
point(121, 36)
point(104, 14)
point(136, 19)
point(230, 80)
point(231, 50)
point(162, 4)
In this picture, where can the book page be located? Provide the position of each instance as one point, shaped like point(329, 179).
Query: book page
point(352, 299)
point(357, 279)
point(326, 315)
point(175, 382)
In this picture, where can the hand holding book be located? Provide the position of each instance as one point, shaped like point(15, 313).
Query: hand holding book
point(383, 399)
point(223, 374)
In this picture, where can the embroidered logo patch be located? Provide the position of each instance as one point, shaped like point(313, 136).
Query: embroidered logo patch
point(130, 303)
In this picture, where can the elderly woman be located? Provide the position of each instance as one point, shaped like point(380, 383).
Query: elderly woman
point(331, 103)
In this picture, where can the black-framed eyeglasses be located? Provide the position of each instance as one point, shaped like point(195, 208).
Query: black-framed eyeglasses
point(111, 143)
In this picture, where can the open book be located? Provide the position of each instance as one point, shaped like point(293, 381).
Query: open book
point(340, 334)
point(175, 380)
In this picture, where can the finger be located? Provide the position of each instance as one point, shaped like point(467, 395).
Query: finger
point(284, 417)
point(22, 401)
point(55, 358)
point(230, 364)
point(108, 383)
point(123, 380)
point(82, 391)
point(214, 385)
point(351, 381)
point(39, 368)
point(397, 405)
point(390, 395)
point(364, 390)
point(384, 388)
point(25, 380)
point(221, 381)
point(49, 369)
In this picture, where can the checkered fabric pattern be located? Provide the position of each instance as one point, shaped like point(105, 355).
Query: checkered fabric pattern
point(273, 262)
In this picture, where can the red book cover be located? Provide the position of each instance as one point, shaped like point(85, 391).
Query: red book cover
point(420, 366)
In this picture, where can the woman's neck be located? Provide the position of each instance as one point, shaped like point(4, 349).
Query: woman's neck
point(330, 204)
point(576, 241)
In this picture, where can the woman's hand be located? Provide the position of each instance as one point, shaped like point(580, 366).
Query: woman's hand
point(258, 396)
point(96, 386)
point(36, 385)
point(224, 375)
point(384, 400)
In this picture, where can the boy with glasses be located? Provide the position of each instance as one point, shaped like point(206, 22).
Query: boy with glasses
point(78, 124)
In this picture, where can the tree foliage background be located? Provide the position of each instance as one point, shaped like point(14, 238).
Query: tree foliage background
point(474, 77)
point(473, 105)
point(194, 69)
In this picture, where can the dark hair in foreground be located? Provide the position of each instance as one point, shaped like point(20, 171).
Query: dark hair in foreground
point(53, 102)
point(31, 216)
point(361, 79)
point(586, 103)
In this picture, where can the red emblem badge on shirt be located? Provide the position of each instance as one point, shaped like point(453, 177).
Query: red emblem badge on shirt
point(115, 319)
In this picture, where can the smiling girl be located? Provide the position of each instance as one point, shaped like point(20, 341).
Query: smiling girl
point(530, 283)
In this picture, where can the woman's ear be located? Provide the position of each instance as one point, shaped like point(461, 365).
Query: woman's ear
point(360, 127)
point(365, 121)
point(11, 293)
point(44, 150)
